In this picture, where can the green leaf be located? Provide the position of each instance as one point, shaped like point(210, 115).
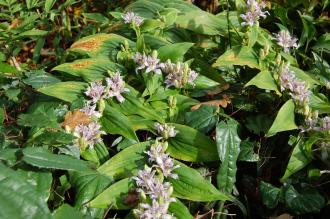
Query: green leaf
point(33, 33)
point(203, 119)
point(49, 4)
point(127, 162)
point(252, 35)
point(228, 144)
point(8, 69)
point(192, 186)
point(100, 44)
point(174, 52)
point(93, 69)
point(88, 185)
point(322, 105)
point(238, 56)
point(41, 79)
point(67, 91)
point(247, 152)
point(192, 145)
point(270, 194)
point(304, 76)
point(42, 117)
point(66, 210)
point(284, 120)
point(179, 210)
point(264, 80)
point(299, 158)
point(113, 196)
point(323, 43)
point(114, 122)
point(309, 201)
point(42, 158)
point(16, 194)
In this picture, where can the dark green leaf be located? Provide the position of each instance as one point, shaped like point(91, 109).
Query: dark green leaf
point(203, 119)
point(174, 52)
point(270, 195)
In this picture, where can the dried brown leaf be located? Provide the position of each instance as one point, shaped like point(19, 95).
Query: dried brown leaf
point(76, 118)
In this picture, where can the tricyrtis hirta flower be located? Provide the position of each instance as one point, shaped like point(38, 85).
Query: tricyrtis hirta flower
point(90, 109)
point(88, 135)
point(132, 18)
point(299, 90)
point(95, 91)
point(165, 131)
point(179, 74)
point(285, 40)
point(325, 123)
point(153, 211)
point(147, 62)
point(253, 13)
point(145, 178)
point(162, 160)
point(116, 86)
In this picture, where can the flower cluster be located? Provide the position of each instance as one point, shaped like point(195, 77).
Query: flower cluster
point(299, 90)
point(317, 124)
point(115, 87)
point(286, 41)
point(179, 74)
point(150, 185)
point(88, 135)
point(254, 12)
point(147, 63)
point(132, 18)
point(165, 131)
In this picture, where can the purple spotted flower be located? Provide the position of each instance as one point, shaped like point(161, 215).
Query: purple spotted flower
point(132, 18)
point(253, 13)
point(286, 41)
point(325, 123)
point(95, 91)
point(155, 210)
point(90, 110)
point(178, 75)
point(89, 134)
point(147, 63)
point(116, 86)
point(165, 131)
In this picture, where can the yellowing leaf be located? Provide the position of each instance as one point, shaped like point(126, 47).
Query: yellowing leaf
point(75, 118)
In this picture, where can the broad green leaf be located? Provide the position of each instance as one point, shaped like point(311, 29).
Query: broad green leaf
point(42, 158)
point(319, 104)
point(252, 35)
point(284, 120)
point(247, 152)
point(19, 199)
point(114, 122)
point(264, 80)
point(135, 106)
point(179, 210)
point(299, 157)
point(203, 119)
point(49, 4)
point(127, 162)
point(203, 82)
point(238, 56)
point(88, 185)
point(258, 124)
point(202, 23)
point(228, 144)
point(270, 194)
point(67, 91)
point(174, 52)
point(7, 69)
point(100, 44)
point(43, 117)
point(308, 201)
point(192, 186)
point(323, 43)
point(92, 69)
point(192, 145)
point(65, 211)
point(113, 196)
point(40, 79)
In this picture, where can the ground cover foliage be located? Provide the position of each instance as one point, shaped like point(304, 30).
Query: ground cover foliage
point(164, 109)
